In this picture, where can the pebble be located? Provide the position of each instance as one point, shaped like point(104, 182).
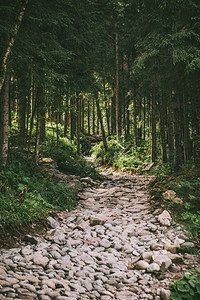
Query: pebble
point(111, 246)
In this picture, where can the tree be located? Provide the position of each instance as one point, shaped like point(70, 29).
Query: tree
point(10, 38)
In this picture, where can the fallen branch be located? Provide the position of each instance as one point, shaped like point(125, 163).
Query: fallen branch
point(117, 143)
point(3, 184)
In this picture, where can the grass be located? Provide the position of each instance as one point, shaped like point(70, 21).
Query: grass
point(186, 184)
point(25, 196)
point(121, 155)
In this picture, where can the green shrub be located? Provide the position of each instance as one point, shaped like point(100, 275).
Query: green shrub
point(116, 157)
point(25, 196)
point(85, 144)
point(188, 288)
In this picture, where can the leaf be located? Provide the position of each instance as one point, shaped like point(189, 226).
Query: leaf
point(21, 187)
point(175, 296)
point(183, 286)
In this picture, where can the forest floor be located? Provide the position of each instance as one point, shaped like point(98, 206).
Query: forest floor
point(113, 245)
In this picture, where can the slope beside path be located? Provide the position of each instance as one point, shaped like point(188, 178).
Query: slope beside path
point(113, 245)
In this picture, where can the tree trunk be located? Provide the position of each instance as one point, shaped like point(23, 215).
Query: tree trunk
point(107, 117)
point(186, 144)
point(88, 116)
point(72, 119)
point(113, 115)
point(106, 107)
point(195, 120)
point(78, 151)
point(144, 128)
point(117, 81)
point(37, 139)
point(105, 146)
point(135, 123)
point(4, 119)
point(170, 133)
point(97, 124)
point(93, 117)
point(10, 43)
point(153, 129)
point(22, 104)
point(128, 100)
point(139, 120)
point(162, 129)
point(82, 114)
point(66, 116)
point(42, 112)
point(33, 109)
point(177, 131)
point(28, 107)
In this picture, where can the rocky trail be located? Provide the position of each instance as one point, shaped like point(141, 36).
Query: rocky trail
point(113, 245)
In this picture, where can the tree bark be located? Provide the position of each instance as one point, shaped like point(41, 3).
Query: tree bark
point(33, 109)
point(113, 115)
point(4, 119)
point(42, 112)
point(177, 131)
point(135, 123)
point(78, 113)
point(117, 81)
point(37, 139)
point(144, 128)
point(106, 107)
point(22, 105)
point(186, 144)
point(88, 116)
point(72, 119)
point(170, 133)
point(105, 146)
point(162, 129)
point(153, 129)
point(66, 116)
point(82, 114)
point(93, 117)
point(10, 43)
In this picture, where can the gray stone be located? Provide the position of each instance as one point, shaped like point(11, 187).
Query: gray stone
point(169, 195)
point(52, 222)
point(164, 218)
point(40, 260)
point(141, 265)
point(2, 270)
point(105, 243)
point(163, 261)
point(153, 267)
point(164, 294)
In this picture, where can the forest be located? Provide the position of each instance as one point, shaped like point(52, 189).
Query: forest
point(118, 80)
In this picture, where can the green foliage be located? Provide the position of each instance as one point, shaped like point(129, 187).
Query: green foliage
point(118, 158)
point(64, 153)
point(85, 144)
point(161, 169)
point(192, 222)
point(188, 188)
point(188, 288)
point(25, 196)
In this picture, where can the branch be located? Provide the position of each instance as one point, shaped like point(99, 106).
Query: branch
point(7, 50)
point(3, 184)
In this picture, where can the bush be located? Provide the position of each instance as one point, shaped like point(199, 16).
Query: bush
point(85, 144)
point(117, 158)
point(26, 197)
point(65, 156)
point(188, 288)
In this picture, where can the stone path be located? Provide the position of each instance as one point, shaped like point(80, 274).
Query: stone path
point(112, 246)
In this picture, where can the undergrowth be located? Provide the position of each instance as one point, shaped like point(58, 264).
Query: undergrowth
point(188, 288)
point(121, 155)
point(64, 154)
point(27, 196)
